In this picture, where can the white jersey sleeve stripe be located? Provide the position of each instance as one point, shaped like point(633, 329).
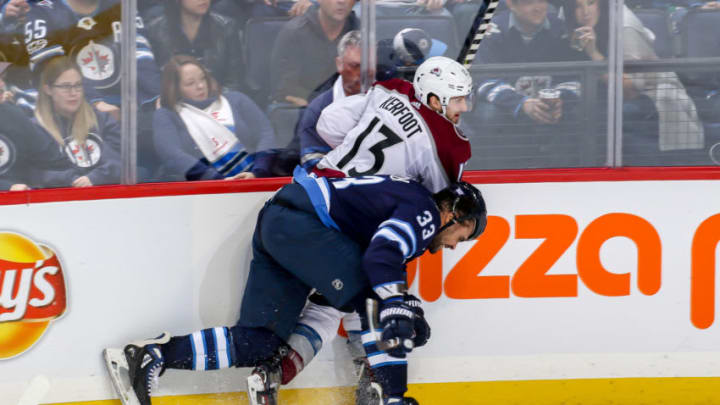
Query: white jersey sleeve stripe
point(407, 230)
point(389, 234)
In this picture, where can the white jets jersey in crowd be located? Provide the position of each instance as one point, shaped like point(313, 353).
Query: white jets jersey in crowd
point(388, 131)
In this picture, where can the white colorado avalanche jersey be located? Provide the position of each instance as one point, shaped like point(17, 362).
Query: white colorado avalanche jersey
point(388, 131)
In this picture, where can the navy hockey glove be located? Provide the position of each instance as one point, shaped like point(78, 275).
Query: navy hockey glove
point(398, 325)
point(422, 328)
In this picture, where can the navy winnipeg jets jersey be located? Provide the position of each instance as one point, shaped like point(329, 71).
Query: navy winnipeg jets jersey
point(394, 218)
point(93, 41)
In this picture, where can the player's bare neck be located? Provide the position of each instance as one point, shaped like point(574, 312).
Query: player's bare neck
point(83, 6)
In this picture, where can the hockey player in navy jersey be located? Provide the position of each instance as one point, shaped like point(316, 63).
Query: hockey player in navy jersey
point(375, 225)
point(397, 128)
point(89, 32)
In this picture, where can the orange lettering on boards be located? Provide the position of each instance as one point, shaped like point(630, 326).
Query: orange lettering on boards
point(464, 281)
point(702, 284)
point(530, 279)
point(649, 253)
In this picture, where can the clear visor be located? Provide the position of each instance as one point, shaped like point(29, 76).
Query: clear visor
point(462, 103)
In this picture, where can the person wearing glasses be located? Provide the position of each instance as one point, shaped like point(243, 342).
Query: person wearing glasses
point(87, 141)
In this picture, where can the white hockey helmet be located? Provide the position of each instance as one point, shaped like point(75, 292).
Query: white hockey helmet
point(443, 77)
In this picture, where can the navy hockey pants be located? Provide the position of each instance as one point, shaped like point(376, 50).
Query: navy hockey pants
point(293, 252)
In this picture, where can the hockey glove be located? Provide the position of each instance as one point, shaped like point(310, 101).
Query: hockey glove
point(422, 328)
point(397, 322)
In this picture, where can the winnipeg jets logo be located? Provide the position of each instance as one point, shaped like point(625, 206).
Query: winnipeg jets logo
point(96, 61)
point(337, 284)
point(7, 154)
point(86, 154)
point(86, 23)
point(45, 3)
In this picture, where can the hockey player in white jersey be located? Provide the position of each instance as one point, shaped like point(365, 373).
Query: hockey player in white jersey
point(397, 128)
point(402, 128)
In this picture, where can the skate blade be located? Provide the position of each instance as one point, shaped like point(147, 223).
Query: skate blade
point(117, 367)
point(254, 385)
point(256, 392)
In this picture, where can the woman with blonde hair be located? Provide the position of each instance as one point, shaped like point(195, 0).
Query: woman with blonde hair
point(203, 134)
point(86, 140)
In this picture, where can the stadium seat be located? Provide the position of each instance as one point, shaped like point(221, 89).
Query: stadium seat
point(700, 33)
point(438, 27)
point(657, 22)
point(283, 117)
point(260, 34)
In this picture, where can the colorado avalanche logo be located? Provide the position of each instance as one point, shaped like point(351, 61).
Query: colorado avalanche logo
point(436, 71)
point(84, 155)
point(7, 154)
point(97, 62)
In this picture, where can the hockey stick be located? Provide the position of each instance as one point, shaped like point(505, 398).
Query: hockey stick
point(477, 32)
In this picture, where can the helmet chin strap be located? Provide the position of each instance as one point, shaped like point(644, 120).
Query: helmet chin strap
point(449, 223)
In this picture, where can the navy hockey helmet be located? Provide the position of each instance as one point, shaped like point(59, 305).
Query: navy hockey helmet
point(413, 45)
point(466, 202)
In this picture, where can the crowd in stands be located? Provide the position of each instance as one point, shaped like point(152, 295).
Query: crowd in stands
point(211, 106)
point(543, 118)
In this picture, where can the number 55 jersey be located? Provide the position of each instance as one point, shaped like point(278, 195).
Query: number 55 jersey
point(388, 131)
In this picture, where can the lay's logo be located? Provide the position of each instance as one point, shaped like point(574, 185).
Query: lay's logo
point(32, 292)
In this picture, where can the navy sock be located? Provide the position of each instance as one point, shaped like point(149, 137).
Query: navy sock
point(253, 345)
point(216, 348)
point(208, 349)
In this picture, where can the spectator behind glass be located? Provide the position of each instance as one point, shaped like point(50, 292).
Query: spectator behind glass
point(88, 139)
point(678, 123)
point(202, 134)
point(189, 28)
point(89, 32)
point(16, 141)
point(347, 83)
point(526, 34)
point(304, 51)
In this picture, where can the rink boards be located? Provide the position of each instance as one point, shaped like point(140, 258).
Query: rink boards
point(579, 292)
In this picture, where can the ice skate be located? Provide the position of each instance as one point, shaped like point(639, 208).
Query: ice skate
point(264, 382)
point(135, 369)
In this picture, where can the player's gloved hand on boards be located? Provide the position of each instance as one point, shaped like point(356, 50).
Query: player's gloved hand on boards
point(397, 320)
point(422, 328)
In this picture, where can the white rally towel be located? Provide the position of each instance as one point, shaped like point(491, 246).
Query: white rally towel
point(209, 128)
